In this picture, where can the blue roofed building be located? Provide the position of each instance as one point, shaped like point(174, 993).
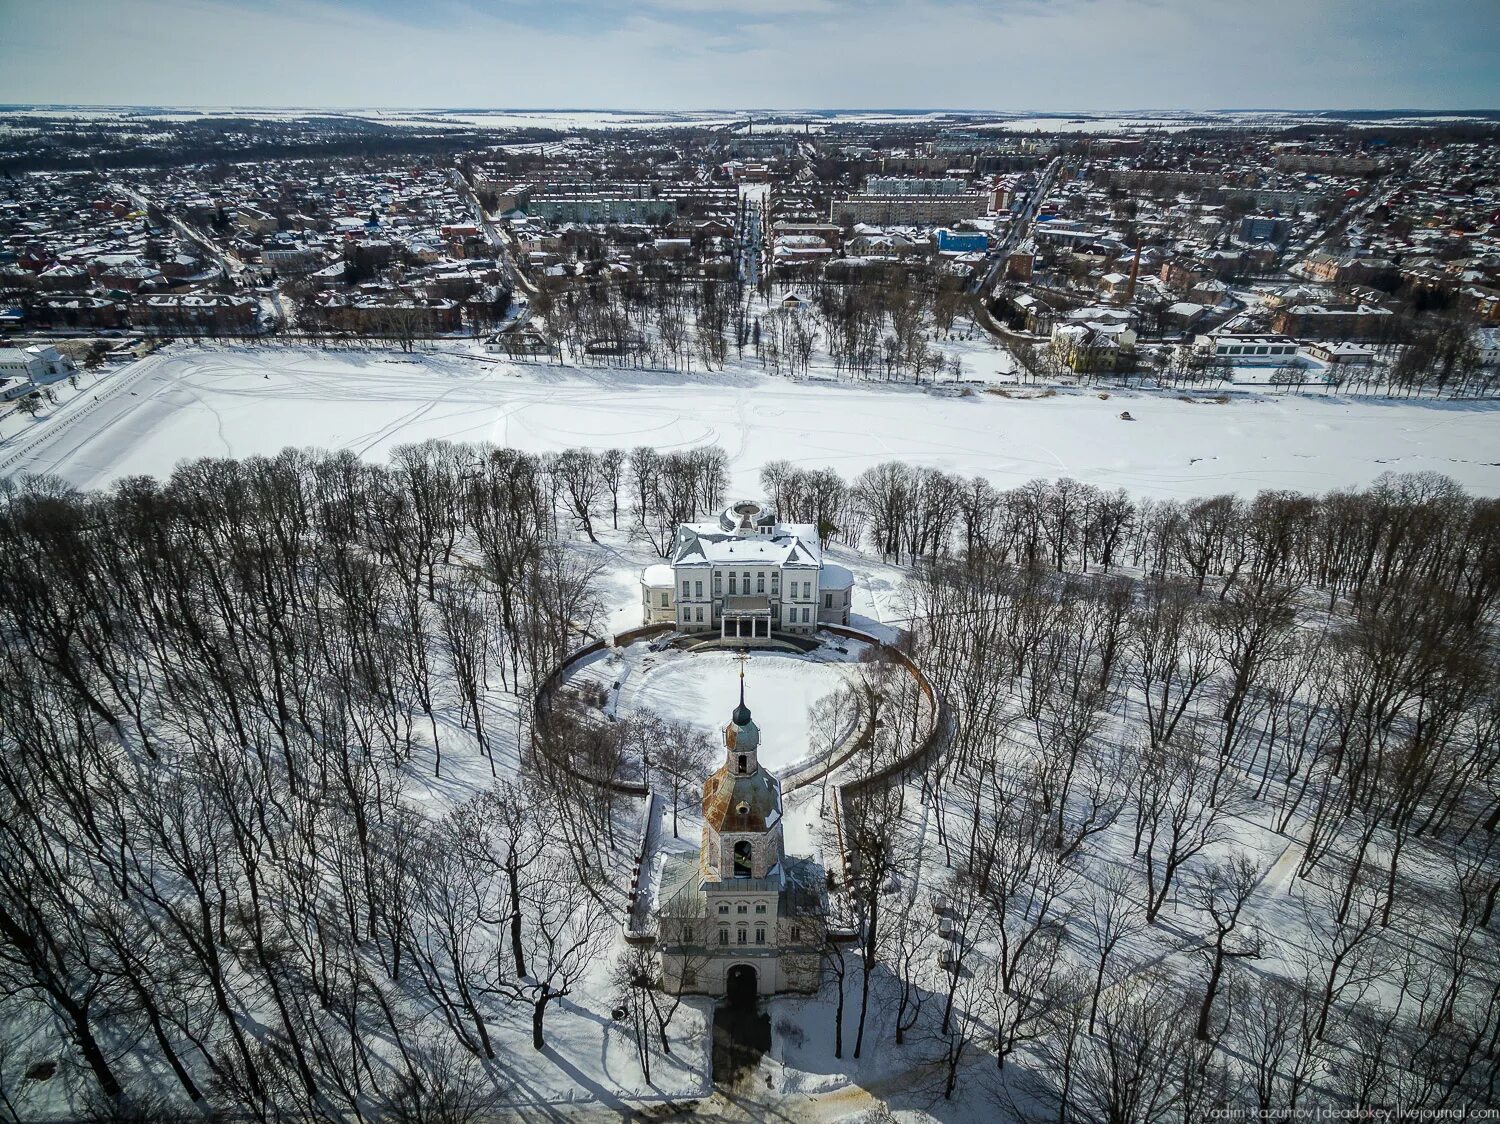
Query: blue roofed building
point(962, 241)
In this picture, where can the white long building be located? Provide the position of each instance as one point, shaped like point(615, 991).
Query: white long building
point(746, 576)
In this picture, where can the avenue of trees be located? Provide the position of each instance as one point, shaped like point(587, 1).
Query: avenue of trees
point(873, 329)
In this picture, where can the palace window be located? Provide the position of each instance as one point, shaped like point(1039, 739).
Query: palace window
point(760, 936)
point(723, 907)
point(718, 584)
point(760, 583)
point(796, 932)
point(723, 936)
point(734, 585)
point(742, 908)
point(698, 614)
point(827, 600)
point(687, 933)
point(697, 589)
point(760, 907)
point(684, 587)
point(664, 596)
point(744, 936)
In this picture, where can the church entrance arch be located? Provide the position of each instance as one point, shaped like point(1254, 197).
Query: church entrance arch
point(741, 986)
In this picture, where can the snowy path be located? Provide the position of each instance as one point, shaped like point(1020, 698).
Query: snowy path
point(74, 413)
point(194, 402)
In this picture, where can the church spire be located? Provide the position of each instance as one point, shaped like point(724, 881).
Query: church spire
point(741, 714)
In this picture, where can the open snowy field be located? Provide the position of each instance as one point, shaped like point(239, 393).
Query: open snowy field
point(702, 688)
point(191, 402)
point(781, 119)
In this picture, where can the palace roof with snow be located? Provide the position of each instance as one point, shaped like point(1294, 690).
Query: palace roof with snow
point(747, 532)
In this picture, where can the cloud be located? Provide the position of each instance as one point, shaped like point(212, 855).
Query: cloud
point(760, 9)
point(684, 54)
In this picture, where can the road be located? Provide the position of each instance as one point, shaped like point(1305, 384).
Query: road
point(230, 266)
point(495, 235)
point(751, 238)
point(1019, 226)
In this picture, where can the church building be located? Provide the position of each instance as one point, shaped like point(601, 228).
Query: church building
point(745, 917)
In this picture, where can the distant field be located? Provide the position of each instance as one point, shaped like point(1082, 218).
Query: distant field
point(195, 402)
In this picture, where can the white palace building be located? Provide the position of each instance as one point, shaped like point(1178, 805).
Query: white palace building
point(746, 576)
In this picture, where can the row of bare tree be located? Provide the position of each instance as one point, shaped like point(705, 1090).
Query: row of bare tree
point(1128, 756)
point(1363, 545)
point(224, 880)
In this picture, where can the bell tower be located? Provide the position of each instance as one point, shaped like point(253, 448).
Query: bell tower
point(742, 736)
point(741, 805)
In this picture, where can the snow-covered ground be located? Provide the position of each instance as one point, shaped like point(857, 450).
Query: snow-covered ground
point(237, 401)
point(191, 402)
point(795, 120)
point(702, 688)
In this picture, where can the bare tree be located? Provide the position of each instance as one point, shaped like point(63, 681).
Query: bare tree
point(684, 755)
point(1220, 891)
point(1113, 919)
point(567, 930)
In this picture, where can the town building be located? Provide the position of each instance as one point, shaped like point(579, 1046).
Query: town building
point(604, 202)
point(1357, 321)
point(1342, 353)
point(913, 185)
point(198, 313)
point(908, 210)
point(23, 369)
point(1243, 350)
point(1265, 228)
point(1093, 346)
point(961, 241)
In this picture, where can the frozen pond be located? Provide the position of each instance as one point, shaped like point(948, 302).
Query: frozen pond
point(236, 402)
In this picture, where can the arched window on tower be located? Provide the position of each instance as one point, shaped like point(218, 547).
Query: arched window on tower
point(742, 859)
point(743, 761)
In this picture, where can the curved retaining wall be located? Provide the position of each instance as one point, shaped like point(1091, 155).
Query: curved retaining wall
point(915, 761)
point(936, 736)
point(798, 775)
point(542, 703)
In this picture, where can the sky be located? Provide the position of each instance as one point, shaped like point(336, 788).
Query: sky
point(1003, 55)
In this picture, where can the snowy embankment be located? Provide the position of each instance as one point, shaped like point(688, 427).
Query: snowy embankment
point(197, 402)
